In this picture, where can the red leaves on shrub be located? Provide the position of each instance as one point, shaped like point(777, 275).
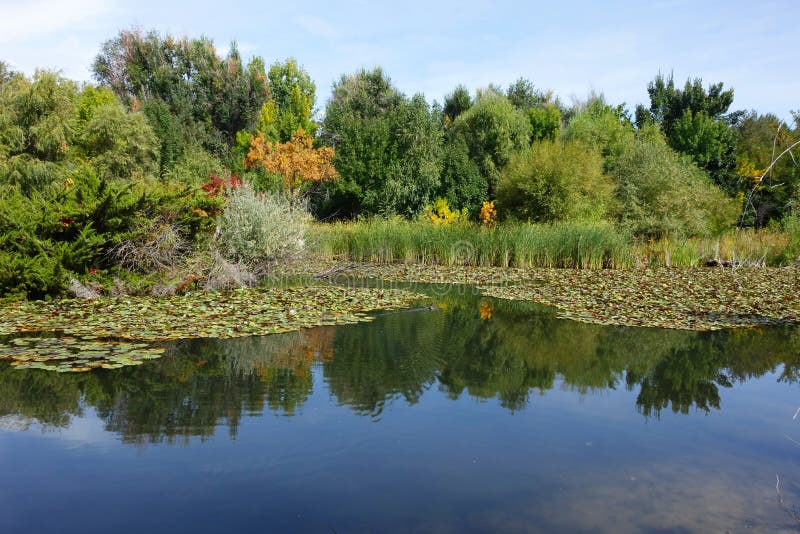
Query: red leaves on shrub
point(215, 185)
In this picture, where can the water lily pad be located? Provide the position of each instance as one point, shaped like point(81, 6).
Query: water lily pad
point(236, 313)
point(68, 354)
point(680, 298)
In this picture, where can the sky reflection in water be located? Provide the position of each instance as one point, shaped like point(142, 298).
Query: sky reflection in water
point(479, 415)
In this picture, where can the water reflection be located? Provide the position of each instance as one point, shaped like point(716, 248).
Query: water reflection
point(465, 345)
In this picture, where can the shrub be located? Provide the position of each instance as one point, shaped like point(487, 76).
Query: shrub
point(791, 225)
point(194, 167)
point(663, 193)
point(555, 181)
point(156, 245)
point(488, 214)
point(439, 212)
point(256, 228)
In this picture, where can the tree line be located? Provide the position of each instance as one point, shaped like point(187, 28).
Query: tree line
point(84, 165)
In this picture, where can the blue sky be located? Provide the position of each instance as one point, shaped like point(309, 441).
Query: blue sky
point(614, 47)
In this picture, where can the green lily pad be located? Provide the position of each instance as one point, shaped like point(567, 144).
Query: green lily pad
point(68, 354)
point(237, 313)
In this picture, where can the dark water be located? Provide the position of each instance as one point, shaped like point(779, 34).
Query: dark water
point(480, 416)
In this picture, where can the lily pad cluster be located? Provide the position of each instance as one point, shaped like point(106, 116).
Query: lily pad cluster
point(683, 298)
point(237, 313)
point(69, 354)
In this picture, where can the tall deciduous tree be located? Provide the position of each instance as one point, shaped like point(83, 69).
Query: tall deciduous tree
point(524, 95)
point(292, 103)
point(387, 148)
point(493, 129)
point(696, 122)
point(555, 181)
point(192, 89)
point(602, 126)
point(662, 192)
point(456, 103)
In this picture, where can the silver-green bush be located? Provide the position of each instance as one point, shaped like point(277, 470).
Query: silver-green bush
point(257, 228)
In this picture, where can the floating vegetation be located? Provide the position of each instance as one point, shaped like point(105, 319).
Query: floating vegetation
point(237, 313)
point(71, 355)
point(683, 298)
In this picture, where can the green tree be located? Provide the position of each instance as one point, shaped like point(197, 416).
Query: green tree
point(603, 127)
point(461, 181)
point(456, 103)
point(388, 148)
point(292, 103)
point(696, 122)
point(493, 129)
point(37, 130)
point(760, 138)
point(523, 95)
point(203, 99)
point(120, 144)
point(545, 122)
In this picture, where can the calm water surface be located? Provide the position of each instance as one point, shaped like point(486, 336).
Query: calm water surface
point(481, 415)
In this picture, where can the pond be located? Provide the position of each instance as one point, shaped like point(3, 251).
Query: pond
point(472, 414)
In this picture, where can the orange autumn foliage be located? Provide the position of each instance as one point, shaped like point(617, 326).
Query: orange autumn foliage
point(297, 161)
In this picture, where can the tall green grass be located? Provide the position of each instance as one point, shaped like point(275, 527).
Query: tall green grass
point(580, 245)
point(562, 245)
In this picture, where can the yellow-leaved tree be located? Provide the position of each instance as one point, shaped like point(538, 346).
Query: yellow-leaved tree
point(296, 161)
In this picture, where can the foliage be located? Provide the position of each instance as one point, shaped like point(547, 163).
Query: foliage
point(120, 144)
point(43, 235)
point(388, 148)
point(695, 123)
point(207, 99)
point(603, 127)
point(493, 129)
point(36, 130)
point(258, 228)
point(760, 138)
point(456, 103)
point(194, 167)
point(791, 225)
point(545, 122)
point(524, 96)
point(488, 214)
point(291, 104)
point(439, 212)
point(555, 181)
point(663, 193)
point(296, 161)
point(461, 181)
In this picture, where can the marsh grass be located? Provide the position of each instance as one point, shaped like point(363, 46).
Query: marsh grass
point(508, 245)
point(562, 245)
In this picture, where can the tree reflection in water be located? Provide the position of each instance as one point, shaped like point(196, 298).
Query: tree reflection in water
point(466, 345)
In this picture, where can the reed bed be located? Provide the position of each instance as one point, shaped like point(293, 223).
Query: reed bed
point(561, 245)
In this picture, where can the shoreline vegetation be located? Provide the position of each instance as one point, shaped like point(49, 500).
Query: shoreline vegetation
point(571, 245)
point(181, 182)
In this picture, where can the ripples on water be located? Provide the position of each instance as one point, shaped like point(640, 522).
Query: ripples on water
point(477, 415)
